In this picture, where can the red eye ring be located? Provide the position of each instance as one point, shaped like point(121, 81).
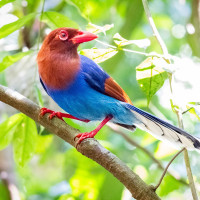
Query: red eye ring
point(63, 35)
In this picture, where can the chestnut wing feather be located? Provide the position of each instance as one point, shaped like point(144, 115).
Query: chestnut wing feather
point(99, 80)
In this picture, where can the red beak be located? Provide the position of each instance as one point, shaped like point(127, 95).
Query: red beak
point(84, 36)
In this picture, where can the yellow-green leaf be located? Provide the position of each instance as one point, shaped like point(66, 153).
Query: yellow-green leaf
point(151, 76)
point(56, 20)
point(168, 185)
point(43, 143)
point(143, 43)
point(25, 141)
point(193, 111)
point(7, 128)
point(99, 55)
point(98, 29)
point(11, 59)
point(10, 28)
point(4, 2)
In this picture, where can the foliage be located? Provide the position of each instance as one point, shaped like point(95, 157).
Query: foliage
point(151, 76)
point(57, 20)
point(9, 60)
point(59, 172)
point(10, 28)
point(99, 55)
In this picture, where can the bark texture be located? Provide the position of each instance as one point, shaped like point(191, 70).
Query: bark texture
point(89, 147)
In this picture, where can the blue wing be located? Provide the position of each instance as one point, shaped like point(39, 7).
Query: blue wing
point(99, 80)
point(94, 75)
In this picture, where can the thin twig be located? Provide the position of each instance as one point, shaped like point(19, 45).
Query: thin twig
point(40, 26)
point(190, 177)
point(148, 153)
point(187, 161)
point(134, 143)
point(154, 54)
point(153, 26)
point(165, 52)
point(165, 171)
point(187, 110)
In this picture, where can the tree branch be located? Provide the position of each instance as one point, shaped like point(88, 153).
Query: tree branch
point(89, 147)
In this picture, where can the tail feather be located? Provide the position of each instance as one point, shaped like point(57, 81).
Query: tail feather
point(164, 131)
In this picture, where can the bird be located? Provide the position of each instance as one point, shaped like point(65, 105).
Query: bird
point(87, 93)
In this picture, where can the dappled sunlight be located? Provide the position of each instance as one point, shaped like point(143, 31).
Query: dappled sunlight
point(159, 71)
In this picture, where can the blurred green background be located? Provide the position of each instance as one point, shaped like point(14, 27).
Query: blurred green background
point(41, 165)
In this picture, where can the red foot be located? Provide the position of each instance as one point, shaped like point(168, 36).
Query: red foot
point(83, 136)
point(60, 115)
point(43, 111)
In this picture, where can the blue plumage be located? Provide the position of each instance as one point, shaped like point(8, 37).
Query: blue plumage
point(94, 75)
point(85, 91)
point(85, 98)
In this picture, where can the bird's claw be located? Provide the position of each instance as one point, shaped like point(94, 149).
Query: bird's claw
point(83, 136)
point(56, 114)
point(43, 111)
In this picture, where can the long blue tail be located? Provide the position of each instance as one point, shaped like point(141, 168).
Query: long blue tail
point(164, 131)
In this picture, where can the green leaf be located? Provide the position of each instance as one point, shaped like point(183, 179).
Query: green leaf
point(10, 28)
point(81, 6)
point(11, 59)
point(194, 103)
point(194, 111)
point(5, 194)
point(99, 55)
point(67, 197)
point(98, 29)
point(32, 5)
point(143, 43)
point(7, 128)
point(111, 184)
point(3, 79)
point(4, 2)
point(85, 177)
point(151, 76)
point(25, 140)
point(43, 143)
point(39, 96)
point(168, 185)
point(56, 20)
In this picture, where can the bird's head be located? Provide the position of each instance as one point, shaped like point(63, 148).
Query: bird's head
point(67, 39)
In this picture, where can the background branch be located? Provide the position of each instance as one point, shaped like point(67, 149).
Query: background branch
point(146, 151)
point(179, 115)
point(90, 147)
point(12, 189)
point(154, 29)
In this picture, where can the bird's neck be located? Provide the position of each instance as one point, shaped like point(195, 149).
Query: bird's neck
point(58, 69)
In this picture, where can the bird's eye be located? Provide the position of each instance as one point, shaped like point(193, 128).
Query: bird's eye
point(63, 35)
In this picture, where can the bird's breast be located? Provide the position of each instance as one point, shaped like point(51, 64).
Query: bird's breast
point(58, 72)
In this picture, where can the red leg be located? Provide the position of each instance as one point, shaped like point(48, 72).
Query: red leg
point(91, 134)
point(60, 115)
